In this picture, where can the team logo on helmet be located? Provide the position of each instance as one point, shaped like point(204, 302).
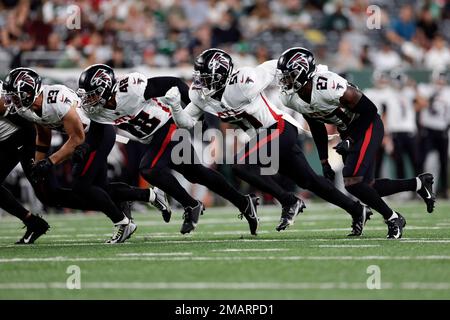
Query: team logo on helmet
point(218, 60)
point(101, 77)
point(298, 60)
point(24, 78)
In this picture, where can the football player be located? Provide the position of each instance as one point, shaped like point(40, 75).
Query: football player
point(17, 145)
point(323, 97)
point(434, 119)
point(133, 103)
point(238, 97)
point(56, 107)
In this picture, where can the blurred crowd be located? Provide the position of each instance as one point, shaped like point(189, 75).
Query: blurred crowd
point(170, 33)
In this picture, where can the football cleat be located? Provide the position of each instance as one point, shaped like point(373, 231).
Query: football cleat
point(289, 213)
point(360, 221)
point(122, 232)
point(191, 216)
point(426, 192)
point(250, 213)
point(162, 204)
point(36, 227)
point(395, 227)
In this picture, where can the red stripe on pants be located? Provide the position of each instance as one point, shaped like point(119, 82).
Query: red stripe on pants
point(364, 146)
point(88, 163)
point(275, 134)
point(166, 141)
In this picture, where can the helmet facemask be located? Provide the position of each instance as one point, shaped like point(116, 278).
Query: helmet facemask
point(19, 101)
point(289, 81)
point(92, 101)
point(209, 84)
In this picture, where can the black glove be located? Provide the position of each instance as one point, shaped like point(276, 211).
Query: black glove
point(328, 172)
point(80, 153)
point(41, 170)
point(343, 147)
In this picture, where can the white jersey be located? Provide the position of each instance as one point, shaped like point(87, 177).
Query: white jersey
point(437, 115)
point(243, 102)
point(398, 107)
point(7, 128)
point(138, 117)
point(327, 88)
point(56, 103)
point(402, 117)
point(380, 97)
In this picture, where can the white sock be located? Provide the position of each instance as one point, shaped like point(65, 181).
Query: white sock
point(394, 216)
point(152, 195)
point(418, 184)
point(123, 221)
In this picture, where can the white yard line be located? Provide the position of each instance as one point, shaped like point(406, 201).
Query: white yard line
point(233, 232)
point(250, 250)
point(154, 254)
point(225, 285)
point(347, 245)
point(190, 241)
point(218, 233)
point(142, 257)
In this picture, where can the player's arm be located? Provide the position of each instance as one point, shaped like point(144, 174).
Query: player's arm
point(75, 132)
point(357, 102)
point(43, 141)
point(320, 136)
point(175, 92)
point(253, 81)
point(158, 86)
point(183, 118)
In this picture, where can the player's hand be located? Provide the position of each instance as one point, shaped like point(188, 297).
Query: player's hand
point(80, 153)
point(41, 170)
point(328, 172)
point(173, 97)
point(343, 147)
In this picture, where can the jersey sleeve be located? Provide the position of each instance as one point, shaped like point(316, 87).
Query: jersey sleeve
point(286, 100)
point(65, 99)
point(133, 83)
point(330, 87)
point(196, 98)
point(253, 81)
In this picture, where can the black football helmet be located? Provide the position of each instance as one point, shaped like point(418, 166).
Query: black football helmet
point(294, 68)
point(96, 86)
point(212, 71)
point(398, 78)
point(20, 89)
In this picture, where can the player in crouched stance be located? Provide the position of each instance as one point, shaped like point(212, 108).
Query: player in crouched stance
point(55, 107)
point(322, 96)
point(238, 97)
point(134, 104)
point(17, 145)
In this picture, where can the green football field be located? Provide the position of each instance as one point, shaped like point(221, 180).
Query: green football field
point(312, 260)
